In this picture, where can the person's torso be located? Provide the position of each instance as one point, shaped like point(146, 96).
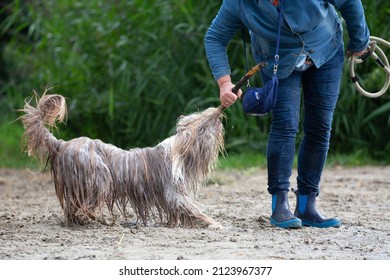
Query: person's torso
point(309, 26)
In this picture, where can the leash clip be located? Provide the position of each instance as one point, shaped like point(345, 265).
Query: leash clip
point(275, 68)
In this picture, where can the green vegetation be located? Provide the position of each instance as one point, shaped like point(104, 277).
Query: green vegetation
point(11, 150)
point(130, 68)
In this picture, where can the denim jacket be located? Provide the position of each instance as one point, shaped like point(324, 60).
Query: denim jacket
point(310, 26)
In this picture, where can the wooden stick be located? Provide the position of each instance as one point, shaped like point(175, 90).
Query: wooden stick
point(249, 74)
point(245, 78)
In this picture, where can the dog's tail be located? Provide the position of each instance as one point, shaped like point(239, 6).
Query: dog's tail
point(37, 121)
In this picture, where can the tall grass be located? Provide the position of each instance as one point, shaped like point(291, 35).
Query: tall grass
point(130, 68)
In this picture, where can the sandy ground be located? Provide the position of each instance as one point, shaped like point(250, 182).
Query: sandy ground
point(31, 222)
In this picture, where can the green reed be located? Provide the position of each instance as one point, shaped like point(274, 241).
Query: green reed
point(129, 69)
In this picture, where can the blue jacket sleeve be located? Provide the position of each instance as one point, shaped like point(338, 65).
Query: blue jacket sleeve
point(221, 31)
point(353, 13)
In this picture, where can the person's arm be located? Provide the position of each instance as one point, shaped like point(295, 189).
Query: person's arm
point(359, 35)
point(221, 31)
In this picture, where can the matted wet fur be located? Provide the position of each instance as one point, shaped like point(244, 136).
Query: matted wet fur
point(160, 181)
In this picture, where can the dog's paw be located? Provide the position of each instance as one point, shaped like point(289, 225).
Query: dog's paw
point(215, 226)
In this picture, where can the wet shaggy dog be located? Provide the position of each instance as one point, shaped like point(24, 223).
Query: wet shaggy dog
point(158, 183)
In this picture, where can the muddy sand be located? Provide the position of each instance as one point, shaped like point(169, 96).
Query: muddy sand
point(32, 228)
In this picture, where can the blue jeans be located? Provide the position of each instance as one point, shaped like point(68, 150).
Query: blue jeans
point(320, 89)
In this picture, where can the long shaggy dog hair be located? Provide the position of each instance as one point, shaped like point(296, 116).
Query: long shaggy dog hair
point(159, 183)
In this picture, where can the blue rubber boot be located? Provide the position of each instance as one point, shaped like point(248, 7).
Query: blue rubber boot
point(281, 214)
point(306, 210)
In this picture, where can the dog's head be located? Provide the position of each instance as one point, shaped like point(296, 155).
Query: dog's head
point(198, 141)
point(202, 128)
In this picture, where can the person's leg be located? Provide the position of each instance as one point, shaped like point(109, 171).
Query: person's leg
point(281, 149)
point(320, 92)
point(284, 127)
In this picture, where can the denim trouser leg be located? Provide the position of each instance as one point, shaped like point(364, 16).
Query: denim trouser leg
point(284, 127)
point(321, 89)
point(320, 92)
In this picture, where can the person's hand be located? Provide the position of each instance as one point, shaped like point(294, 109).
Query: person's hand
point(226, 95)
point(350, 53)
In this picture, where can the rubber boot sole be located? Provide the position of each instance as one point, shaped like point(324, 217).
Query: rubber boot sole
point(293, 223)
point(327, 224)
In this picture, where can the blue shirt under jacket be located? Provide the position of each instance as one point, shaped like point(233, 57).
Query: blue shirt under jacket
point(310, 26)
